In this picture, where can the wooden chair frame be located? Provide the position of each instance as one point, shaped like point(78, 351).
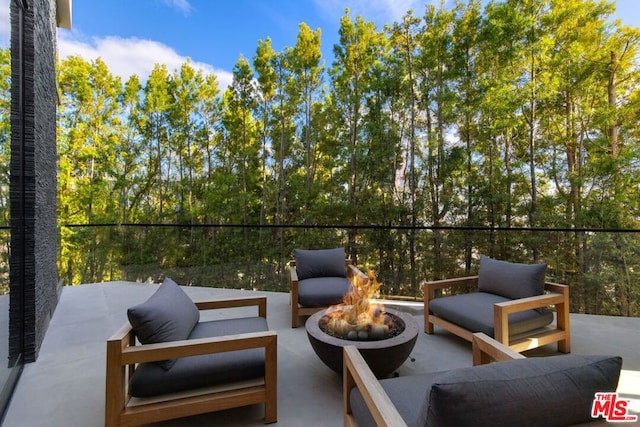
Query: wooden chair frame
point(556, 295)
point(123, 355)
point(356, 373)
point(298, 310)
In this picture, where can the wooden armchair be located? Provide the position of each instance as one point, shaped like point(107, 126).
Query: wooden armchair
point(324, 282)
point(508, 301)
point(356, 373)
point(124, 358)
point(486, 395)
point(555, 294)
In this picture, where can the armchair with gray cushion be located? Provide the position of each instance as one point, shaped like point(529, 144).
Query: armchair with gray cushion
point(542, 391)
point(509, 302)
point(166, 363)
point(319, 278)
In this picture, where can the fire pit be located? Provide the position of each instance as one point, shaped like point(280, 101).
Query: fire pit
point(384, 336)
point(383, 355)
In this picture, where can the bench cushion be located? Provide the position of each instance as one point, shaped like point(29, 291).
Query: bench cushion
point(320, 263)
point(168, 315)
point(322, 291)
point(474, 312)
point(544, 391)
point(511, 280)
point(194, 372)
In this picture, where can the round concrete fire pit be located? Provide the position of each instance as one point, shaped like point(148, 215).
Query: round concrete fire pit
point(383, 356)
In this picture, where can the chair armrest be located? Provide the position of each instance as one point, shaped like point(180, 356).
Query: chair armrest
point(556, 287)
point(486, 350)
point(353, 271)
point(471, 281)
point(356, 373)
point(524, 304)
point(560, 299)
point(260, 302)
point(429, 288)
point(184, 348)
point(293, 271)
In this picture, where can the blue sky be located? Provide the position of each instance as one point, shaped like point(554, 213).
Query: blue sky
point(132, 35)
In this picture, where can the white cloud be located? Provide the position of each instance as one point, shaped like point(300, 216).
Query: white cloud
point(182, 5)
point(127, 56)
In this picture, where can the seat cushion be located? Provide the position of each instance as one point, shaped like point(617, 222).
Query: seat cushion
point(322, 291)
point(474, 312)
point(545, 391)
point(168, 315)
point(408, 395)
point(194, 372)
point(509, 279)
point(320, 263)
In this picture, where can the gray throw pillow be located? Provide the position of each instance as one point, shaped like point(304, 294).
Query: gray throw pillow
point(320, 263)
point(511, 280)
point(540, 391)
point(168, 315)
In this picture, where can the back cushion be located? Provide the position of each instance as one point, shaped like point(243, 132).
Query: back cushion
point(320, 263)
point(511, 280)
point(168, 315)
point(543, 391)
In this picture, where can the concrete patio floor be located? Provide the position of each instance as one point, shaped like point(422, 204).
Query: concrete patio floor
point(65, 386)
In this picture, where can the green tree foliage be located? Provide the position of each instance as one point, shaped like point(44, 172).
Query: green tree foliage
point(5, 133)
point(518, 114)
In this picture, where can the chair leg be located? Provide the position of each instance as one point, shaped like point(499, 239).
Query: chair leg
point(562, 313)
point(428, 326)
point(271, 382)
point(115, 386)
point(295, 318)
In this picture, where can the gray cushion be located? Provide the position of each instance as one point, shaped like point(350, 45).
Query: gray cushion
point(548, 391)
point(408, 395)
point(322, 291)
point(511, 280)
point(474, 312)
point(194, 372)
point(168, 315)
point(320, 263)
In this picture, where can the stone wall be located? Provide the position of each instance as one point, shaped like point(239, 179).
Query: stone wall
point(33, 269)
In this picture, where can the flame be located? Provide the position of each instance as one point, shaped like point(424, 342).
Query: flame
point(357, 317)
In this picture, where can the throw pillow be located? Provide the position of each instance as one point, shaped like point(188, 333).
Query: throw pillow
point(168, 315)
point(511, 280)
point(540, 391)
point(320, 263)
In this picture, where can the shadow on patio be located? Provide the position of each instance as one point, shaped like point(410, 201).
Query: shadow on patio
point(65, 387)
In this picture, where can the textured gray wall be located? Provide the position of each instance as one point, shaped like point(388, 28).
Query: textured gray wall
point(34, 171)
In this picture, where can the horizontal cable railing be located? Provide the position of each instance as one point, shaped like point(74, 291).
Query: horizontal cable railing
point(601, 266)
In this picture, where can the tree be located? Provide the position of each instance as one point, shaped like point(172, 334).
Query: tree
point(154, 123)
point(242, 141)
point(356, 56)
point(307, 71)
point(87, 154)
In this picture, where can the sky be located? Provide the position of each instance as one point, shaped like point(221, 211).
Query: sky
point(133, 35)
